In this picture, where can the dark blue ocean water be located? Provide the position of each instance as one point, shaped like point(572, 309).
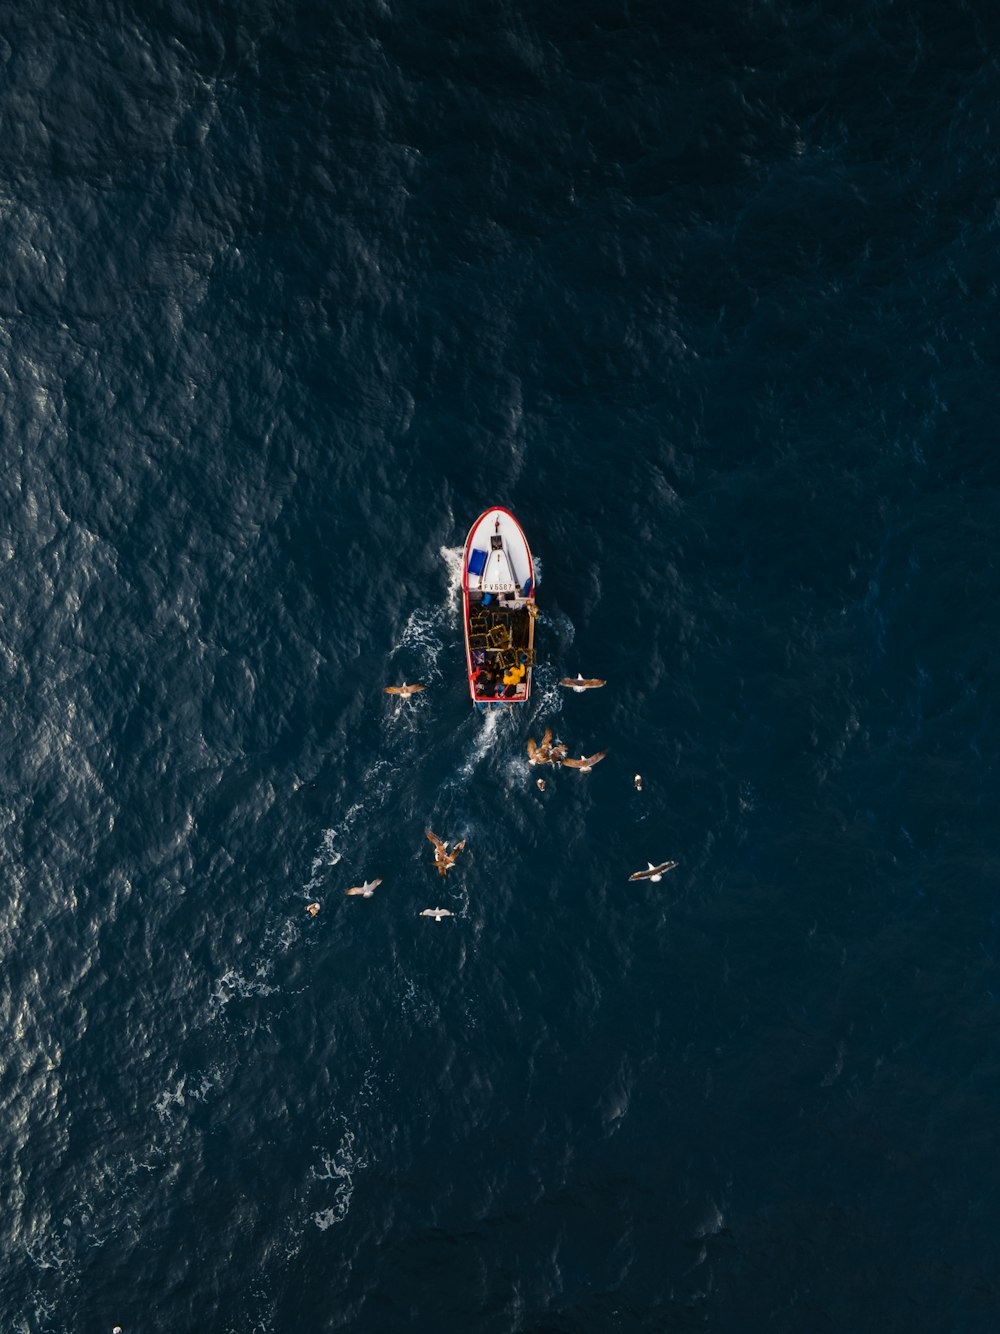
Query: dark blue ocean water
point(708, 296)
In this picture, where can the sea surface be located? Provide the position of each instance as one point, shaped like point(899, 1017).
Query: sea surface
point(707, 295)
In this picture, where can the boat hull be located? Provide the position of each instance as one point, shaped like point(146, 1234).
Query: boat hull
point(498, 609)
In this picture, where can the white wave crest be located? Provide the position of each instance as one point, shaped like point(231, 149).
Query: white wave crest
point(338, 1167)
point(234, 986)
point(425, 632)
point(197, 1090)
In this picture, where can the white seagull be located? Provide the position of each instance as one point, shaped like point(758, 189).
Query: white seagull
point(586, 762)
point(637, 780)
point(652, 872)
point(436, 913)
point(366, 890)
point(581, 683)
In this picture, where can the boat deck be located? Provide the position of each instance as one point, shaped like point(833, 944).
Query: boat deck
point(500, 644)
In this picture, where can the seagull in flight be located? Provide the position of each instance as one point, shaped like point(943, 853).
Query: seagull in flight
point(366, 890)
point(586, 762)
point(436, 913)
point(443, 859)
point(545, 753)
point(637, 780)
point(581, 683)
point(654, 873)
point(404, 690)
point(312, 909)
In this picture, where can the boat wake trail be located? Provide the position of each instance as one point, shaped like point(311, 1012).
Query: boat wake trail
point(375, 789)
point(403, 726)
point(547, 694)
point(496, 736)
point(495, 724)
point(338, 1166)
point(429, 627)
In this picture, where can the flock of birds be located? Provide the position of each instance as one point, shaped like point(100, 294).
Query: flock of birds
point(544, 752)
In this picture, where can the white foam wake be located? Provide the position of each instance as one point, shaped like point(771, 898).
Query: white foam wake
point(428, 629)
point(425, 632)
point(338, 1167)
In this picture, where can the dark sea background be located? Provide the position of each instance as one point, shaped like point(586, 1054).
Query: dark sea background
point(707, 294)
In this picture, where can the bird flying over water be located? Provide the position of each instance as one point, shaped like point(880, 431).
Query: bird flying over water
point(637, 780)
point(404, 690)
point(545, 753)
point(581, 683)
point(312, 909)
point(436, 913)
point(586, 762)
point(366, 890)
point(443, 859)
point(652, 872)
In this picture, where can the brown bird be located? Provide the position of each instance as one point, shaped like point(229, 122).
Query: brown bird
point(545, 753)
point(312, 909)
point(652, 872)
point(586, 762)
point(443, 859)
point(366, 890)
point(540, 784)
point(436, 913)
point(581, 683)
point(404, 690)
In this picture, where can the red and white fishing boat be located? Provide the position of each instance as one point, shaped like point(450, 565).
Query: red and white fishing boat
point(498, 609)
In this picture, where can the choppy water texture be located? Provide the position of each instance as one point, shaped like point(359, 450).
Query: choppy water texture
point(707, 295)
